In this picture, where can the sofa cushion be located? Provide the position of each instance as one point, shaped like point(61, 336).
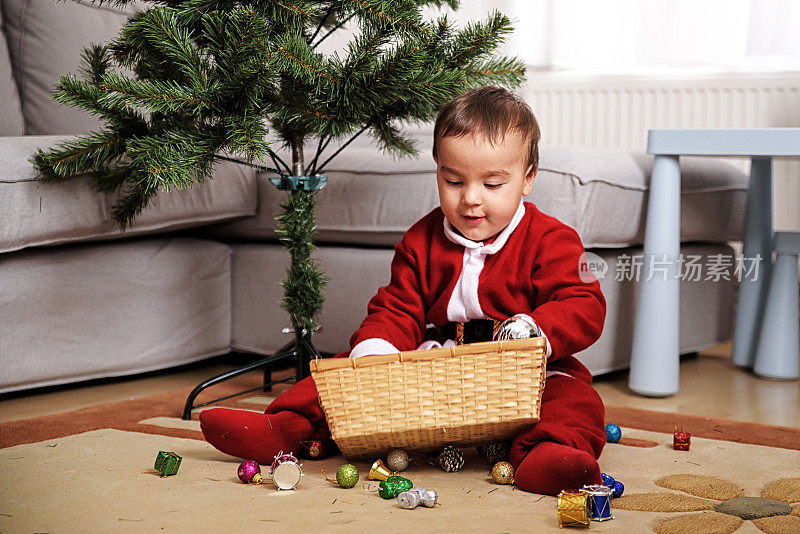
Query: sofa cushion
point(706, 307)
point(10, 113)
point(39, 213)
point(371, 198)
point(90, 311)
point(45, 39)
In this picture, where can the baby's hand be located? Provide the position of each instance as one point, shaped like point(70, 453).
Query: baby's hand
point(373, 347)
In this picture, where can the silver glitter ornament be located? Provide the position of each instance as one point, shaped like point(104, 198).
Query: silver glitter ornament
point(415, 496)
point(517, 327)
point(397, 460)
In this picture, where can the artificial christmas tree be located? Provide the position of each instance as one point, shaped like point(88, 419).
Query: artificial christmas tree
point(190, 82)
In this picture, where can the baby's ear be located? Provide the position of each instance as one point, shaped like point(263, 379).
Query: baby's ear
point(530, 174)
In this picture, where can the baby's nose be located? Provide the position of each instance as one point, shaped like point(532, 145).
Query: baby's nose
point(471, 196)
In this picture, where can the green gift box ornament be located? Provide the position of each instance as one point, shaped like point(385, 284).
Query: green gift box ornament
point(167, 463)
point(393, 486)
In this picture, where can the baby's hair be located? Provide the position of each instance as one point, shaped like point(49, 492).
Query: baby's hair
point(490, 112)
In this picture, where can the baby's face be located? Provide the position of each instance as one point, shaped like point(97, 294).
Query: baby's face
point(480, 184)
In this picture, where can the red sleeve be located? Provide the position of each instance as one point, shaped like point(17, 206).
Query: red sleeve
point(569, 311)
point(396, 313)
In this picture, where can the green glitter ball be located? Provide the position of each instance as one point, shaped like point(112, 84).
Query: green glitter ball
point(347, 476)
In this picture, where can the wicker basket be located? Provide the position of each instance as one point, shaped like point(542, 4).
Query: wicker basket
point(425, 399)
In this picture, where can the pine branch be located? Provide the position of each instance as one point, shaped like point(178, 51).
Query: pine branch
point(298, 59)
point(95, 60)
point(108, 179)
point(333, 30)
point(174, 160)
point(133, 200)
point(391, 140)
point(73, 92)
point(498, 71)
point(291, 14)
point(453, 4)
point(478, 39)
point(78, 156)
point(261, 168)
point(402, 16)
point(155, 96)
point(161, 31)
point(246, 134)
point(353, 138)
point(321, 24)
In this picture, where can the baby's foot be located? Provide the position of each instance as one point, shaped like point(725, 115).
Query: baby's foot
point(252, 435)
point(551, 467)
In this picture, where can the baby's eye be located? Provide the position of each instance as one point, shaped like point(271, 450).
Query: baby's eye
point(493, 186)
point(453, 183)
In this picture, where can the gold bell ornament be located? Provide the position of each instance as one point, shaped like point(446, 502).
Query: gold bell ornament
point(379, 471)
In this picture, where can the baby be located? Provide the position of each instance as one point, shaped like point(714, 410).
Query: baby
point(484, 254)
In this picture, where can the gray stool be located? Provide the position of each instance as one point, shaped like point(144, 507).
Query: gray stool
point(777, 352)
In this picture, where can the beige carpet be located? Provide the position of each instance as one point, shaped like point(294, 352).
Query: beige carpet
point(93, 482)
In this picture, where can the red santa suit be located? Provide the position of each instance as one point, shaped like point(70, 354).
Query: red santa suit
point(532, 267)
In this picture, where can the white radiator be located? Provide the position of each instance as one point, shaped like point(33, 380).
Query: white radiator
point(617, 111)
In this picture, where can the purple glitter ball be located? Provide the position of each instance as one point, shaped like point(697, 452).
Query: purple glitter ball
point(247, 470)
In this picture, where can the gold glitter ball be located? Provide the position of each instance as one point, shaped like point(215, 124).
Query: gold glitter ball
point(503, 473)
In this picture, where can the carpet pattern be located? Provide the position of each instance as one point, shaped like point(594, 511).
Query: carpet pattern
point(91, 471)
point(160, 414)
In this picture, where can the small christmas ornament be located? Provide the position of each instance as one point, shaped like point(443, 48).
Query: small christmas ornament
point(167, 463)
point(495, 451)
point(397, 460)
point(517, 327)
point(599, 502)
point(379, 471)
point(451, 459)
point(681, 440)
point(314, 449)
point(347, 476)
point(250, 472)
point(285, 471)
point(503, 473)
point(573, 508)
point(415, 496)
point(613, 433)
point(394, 486)
point(616, 487)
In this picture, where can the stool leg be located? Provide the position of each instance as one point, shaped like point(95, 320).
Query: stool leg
point(654, 357)
point(777, 353)
point(757, 241)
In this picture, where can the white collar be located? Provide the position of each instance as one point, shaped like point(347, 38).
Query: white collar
point(496, 245)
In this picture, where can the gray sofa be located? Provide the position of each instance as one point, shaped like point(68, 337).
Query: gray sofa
point(197, 275)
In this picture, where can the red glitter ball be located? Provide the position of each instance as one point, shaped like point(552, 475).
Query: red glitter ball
point(247, 470)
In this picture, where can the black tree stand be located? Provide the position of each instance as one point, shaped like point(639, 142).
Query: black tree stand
point(302, 289)
point(301, 350)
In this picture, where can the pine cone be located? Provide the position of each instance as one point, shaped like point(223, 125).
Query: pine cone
point(451, 459)
point(495, 451)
